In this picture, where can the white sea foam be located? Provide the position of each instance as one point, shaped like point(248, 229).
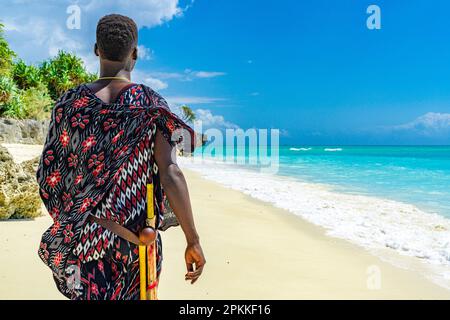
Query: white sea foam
point(299, 149)
point(371, 222)
point(332, 149)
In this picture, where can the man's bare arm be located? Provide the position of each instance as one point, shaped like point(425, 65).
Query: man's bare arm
point(175, 187)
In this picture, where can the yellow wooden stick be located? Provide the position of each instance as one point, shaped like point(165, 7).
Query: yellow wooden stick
point(152, 284)
point(143, 272)
point(147, 256)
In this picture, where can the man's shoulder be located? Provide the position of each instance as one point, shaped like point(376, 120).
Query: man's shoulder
point(71, 94)
point(156, 99)
point(150, 91)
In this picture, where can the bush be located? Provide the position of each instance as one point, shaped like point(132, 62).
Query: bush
point(14, 108)
point(36, 102)
point(32, 103)
point(25, 76)
point(10, 104)
point(27, 91)
point(7, 89)
point(63, 72)
point(6, 55)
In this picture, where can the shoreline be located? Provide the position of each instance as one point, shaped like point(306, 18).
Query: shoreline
point(297, 261)
point(253, 249)
point(394, 231)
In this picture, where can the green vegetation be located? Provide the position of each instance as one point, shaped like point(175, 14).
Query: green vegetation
point(188, 114)
point(9, 97)
point(63, 72)
point(7, 89)
point(36, 102)
point(6, 54)
point(29, 91)
point(25, 76)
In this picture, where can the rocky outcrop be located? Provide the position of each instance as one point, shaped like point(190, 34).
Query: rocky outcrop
point(27, 131)
point(19, 192)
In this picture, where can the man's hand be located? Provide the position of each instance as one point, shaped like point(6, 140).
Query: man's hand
point(194, 255)
point(175, 186)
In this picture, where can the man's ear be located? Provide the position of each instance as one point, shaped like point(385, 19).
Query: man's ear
point(134, 54)
point(96, 50)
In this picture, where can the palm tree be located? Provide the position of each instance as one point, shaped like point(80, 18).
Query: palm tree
point(188, 114)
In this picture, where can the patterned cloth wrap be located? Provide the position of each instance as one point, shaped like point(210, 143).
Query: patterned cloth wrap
point(98, 159)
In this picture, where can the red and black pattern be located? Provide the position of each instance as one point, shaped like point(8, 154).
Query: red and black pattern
point(98, 159)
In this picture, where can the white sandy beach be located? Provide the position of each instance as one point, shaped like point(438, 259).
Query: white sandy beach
point(253, 251)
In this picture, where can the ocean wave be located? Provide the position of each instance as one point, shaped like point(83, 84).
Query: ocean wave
point(299, 149)
point(332, 149)
point(371, 222)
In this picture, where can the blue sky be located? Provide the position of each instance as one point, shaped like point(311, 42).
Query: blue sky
point(309, 68)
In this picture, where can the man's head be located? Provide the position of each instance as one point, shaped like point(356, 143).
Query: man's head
point(117, 38)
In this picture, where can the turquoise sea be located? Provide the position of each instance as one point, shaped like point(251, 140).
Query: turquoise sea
point(419, 175)
point(378, 197)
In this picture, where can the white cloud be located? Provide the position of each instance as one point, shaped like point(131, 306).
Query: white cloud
point(37, 38)
point(210, 120)
point(37, 29)
point(188, 75)
point(168, 75)
point(155, 84)
point(146, 13)
point(145, 78)
point(207, 118)
point(429, 124)
point(208, 74)
point(91, 62)
point(145, 53)
point(180, 100)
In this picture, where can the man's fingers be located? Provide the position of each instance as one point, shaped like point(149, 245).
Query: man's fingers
point(194, 256)
point(193, 279)
point(190, 271)
point(197, 271)
point(194, 275)
point(189, 267)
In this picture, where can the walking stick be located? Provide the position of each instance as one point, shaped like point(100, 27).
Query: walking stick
point(147, 253)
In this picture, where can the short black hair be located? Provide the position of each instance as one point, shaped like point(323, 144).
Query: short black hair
point(116, 36)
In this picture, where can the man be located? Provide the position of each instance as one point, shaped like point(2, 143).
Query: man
point(108, 161)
